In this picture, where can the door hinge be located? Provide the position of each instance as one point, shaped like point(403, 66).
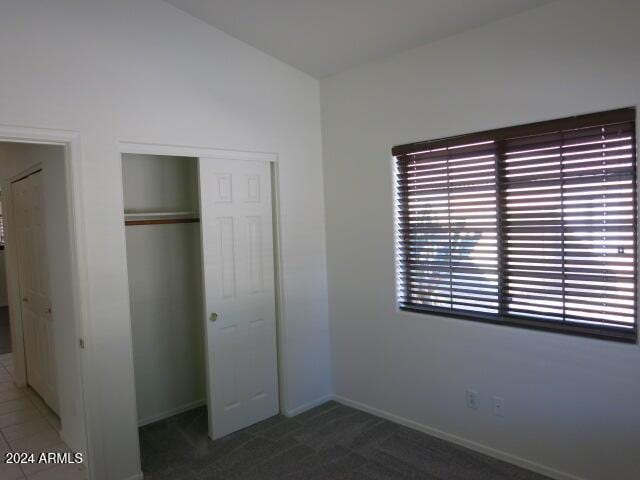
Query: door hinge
point(81, 342)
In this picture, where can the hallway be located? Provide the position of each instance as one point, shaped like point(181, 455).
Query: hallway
point(27, 425)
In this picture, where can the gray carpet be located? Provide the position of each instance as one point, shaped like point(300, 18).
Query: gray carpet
point(330, 442)
point(5, 333)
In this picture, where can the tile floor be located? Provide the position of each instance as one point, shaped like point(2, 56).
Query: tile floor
point(27, 425)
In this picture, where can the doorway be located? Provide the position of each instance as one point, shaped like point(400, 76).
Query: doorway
point(202, 281)
point(40, 273)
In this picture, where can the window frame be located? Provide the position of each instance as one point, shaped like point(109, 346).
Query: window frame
point(623, 115)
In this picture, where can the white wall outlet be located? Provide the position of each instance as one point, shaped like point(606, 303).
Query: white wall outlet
point(472, 399)
point(498, 406)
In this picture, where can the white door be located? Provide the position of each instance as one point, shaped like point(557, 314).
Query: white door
point(239, 293)
point(29, 219)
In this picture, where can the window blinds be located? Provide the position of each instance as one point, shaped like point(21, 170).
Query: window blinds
point(532, 225)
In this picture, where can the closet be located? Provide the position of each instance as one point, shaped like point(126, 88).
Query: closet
point(200, 259)
point(164, 265)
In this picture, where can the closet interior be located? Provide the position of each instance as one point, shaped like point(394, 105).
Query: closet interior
point(164, 264)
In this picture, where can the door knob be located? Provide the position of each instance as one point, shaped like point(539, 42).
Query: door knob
point(213, 317)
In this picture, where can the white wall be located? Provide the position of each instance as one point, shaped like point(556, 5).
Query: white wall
point(165, 285)
point(142, 71)
point(159, 183)
point(571, 404)
point(15, 159)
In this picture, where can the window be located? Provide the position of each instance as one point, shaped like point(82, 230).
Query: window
point(530, 226)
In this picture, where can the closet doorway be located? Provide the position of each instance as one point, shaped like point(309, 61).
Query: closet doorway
point(200, 255)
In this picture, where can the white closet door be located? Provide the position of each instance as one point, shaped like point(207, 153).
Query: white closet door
point(29, 219)
point(238, 267)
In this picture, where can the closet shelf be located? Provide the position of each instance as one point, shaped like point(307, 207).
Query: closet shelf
point(159, 218)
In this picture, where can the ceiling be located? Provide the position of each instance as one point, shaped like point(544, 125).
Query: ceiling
point(324, 37)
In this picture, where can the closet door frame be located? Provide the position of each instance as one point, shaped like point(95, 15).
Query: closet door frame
point(272, 160)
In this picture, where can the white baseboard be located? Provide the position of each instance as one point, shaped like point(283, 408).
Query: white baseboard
point(492, 452)
point(170, 413)
point(308, 406)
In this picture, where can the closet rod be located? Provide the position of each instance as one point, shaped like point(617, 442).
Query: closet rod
point(163, 221)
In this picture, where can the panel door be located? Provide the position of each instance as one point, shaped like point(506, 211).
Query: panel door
point(239, 293)
point(29, 218)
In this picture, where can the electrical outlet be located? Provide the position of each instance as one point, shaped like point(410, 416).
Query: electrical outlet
point(472, 399)
point(498, 406)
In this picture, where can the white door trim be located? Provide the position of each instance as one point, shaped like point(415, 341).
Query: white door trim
point(73, 163)
point(186, 151)
point(229, 154)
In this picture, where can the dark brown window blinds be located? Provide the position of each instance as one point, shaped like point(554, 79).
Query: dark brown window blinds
point(531, 226)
